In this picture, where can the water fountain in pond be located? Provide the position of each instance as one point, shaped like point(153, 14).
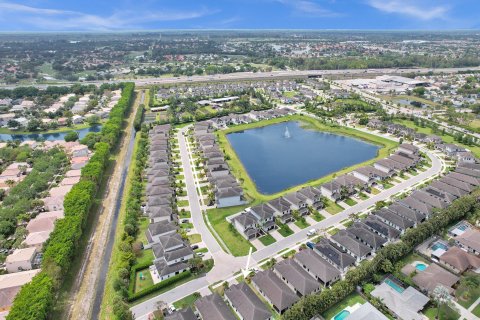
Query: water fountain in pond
point(287, 133)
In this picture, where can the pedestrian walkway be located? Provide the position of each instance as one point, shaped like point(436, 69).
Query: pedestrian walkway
point(464, 313)
point(474, 304)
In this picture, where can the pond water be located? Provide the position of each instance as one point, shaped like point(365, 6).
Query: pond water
point(284, 155)
point(49, 136)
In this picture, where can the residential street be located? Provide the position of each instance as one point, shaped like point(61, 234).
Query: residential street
point(225, 264)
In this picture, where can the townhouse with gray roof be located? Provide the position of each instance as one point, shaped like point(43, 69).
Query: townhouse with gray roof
point(282, 209)
point(429, 199)
point(368, 237)
point(214, 307)
point(298, 202)
point(246, 225)
point(274, 290)
point(369, 175)
point(336, 256)
point(297, 278)
point(353, 246)
point(417, 205)
point(158, 229)
point(407, 213)
point(384, 230)
point(245, 303)
point(264, 215)
point(313, 197)
point(184, 314)
point(317, 267)
point(392, 219)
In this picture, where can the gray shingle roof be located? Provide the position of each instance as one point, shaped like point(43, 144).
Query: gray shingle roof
point(279, 294)
point(300, 279)
point(317, 265)
point(213, 307)
point(247, 303)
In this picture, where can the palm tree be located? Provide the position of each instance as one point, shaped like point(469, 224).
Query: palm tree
point(441, 296)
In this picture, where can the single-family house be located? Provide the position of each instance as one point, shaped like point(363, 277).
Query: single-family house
point(274, 290)
point(245, 303)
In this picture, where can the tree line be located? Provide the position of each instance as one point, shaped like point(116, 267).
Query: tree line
point(35, 300)
point(309, 306)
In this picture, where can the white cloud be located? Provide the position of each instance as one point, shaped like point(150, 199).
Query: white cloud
point(308, 7)
point(55, 19)
point(416, 9)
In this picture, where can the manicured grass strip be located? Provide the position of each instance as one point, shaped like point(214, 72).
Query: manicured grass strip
point(285, 230)
point(182, 203)
point(143, 279)
point(387, 185)
point(194, 238)
point(186, 225)
point(446, 313)
point(201, 250)
point(238, 245)
point(317, 216)
point(188, 301)
point(333, 208)
point(302, 223)
point(363, 196)
point(185, 214)
point(267, 240)
point(333, 231)
point(375, 191)
point(350, 202)
point(476, 310)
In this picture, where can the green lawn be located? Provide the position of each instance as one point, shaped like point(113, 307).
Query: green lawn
point(350, 300)
point(467, 296)
point(387, 185)
point(302, 224)
point(476, 310)
point(363, 196)
point(333, 231)
point(182, 203)
point(194, 238)
point(248, 185)
point(285, 230)
point(201, 250)
point(145, 256)
point(238, 245)
point(267, 240)
point(333, 207)
point(186, 225)
point(144, 281)
point(317, 216)
point(185, 214)
point(188, 301)
point(350, 202)
point(375, 191)
point(446, 313)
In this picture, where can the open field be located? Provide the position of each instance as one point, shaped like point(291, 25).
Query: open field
point(248, 185)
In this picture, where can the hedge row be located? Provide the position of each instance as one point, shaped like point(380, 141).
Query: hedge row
point(161, 285)
point(35, 300)
point(312, 305)
point(137, 123)
point(123, 268)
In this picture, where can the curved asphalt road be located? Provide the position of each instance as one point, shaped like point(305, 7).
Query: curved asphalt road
point(226, 265)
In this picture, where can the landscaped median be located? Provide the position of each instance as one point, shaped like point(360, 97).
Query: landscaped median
point(248, 185)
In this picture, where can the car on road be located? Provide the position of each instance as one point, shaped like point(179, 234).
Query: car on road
point(310, 245)
point(194, 247)
point(311, 232)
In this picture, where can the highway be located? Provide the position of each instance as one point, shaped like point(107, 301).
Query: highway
point(238, 76)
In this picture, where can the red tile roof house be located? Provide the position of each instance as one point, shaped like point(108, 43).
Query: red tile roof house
point(10, 284)
point(78, 162)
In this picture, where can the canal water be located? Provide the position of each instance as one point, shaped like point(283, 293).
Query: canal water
point(284, 155)
point(48, 136)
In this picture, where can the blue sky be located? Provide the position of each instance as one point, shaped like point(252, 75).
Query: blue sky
point(110, 15)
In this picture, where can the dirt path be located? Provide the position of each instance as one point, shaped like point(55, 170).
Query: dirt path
point(83, 294)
